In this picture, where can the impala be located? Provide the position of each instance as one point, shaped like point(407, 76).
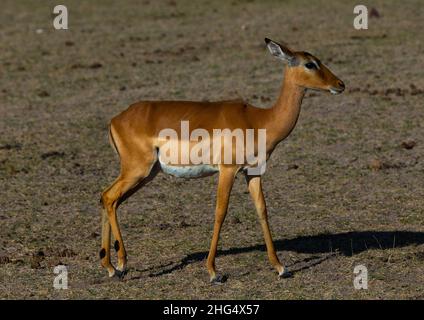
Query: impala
point(135, 135)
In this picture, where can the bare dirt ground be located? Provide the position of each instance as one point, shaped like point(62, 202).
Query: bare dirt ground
point(346, 188)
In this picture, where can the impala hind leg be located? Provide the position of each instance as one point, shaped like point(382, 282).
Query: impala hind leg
point(225, 184)
point(126, 184)
point(110, 200)
point(255, 189)
point(105, 251)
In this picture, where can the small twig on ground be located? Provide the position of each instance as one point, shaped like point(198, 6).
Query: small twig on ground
point(377, 242)
point(394, 244)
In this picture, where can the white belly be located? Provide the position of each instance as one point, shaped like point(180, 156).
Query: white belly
point(189, 171)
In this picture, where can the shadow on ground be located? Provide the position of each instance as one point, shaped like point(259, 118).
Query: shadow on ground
point(322, 247)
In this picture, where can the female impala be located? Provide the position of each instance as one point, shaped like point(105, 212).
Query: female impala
point(135, 134)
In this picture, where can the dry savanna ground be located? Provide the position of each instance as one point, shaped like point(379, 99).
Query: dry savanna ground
point(346, 188)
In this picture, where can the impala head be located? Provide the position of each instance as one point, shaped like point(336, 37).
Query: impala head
point(306, 70)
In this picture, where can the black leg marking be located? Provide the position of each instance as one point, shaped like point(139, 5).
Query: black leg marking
point(102, 253)
point(116, 245)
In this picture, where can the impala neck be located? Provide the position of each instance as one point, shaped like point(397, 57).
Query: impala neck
point(282, 117)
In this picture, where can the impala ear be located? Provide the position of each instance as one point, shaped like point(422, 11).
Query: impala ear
point(281, 51)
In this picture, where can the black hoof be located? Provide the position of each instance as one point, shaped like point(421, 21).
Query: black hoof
point(119, 275)
point(219, 279)
point(286, 274)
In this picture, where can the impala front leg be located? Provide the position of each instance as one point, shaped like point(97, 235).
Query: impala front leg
point(255, 189)
point(225, 183)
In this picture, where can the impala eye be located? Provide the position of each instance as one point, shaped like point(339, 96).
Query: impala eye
point(310, 65)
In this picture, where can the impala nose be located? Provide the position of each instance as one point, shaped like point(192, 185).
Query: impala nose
point(339, 89)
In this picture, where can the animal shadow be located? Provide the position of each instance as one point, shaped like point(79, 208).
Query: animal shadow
point(321, 247)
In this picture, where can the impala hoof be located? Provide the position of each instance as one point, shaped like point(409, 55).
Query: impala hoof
point(219, 279)
point(285, 274)
point(119, 275)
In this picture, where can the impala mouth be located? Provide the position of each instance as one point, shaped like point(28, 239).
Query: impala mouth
point(336, 90)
